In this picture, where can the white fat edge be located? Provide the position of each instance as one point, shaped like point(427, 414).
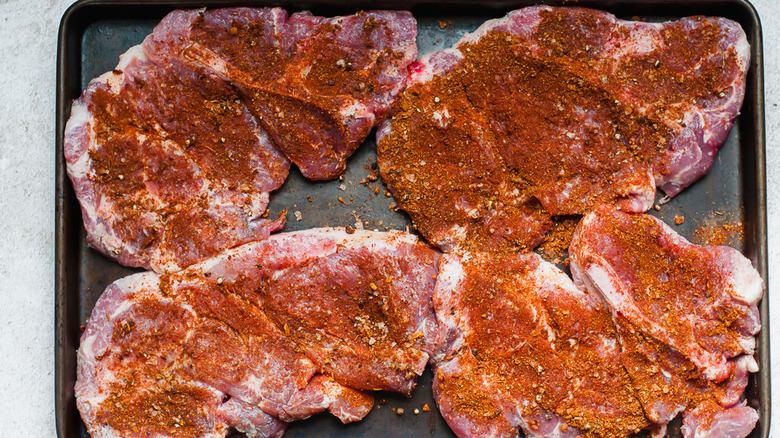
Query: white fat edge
point(714, 112)
point(87, 352)
point(258, 204)
point(611, 344)
point(555, 280)
point(384, 128)
point(305, 72)
point(121, 308)
point(748, 344)
point(278, 274)
point(606, 283)
point(660, 405)
point(563, 195)
point(80, 168)
point(208, 58)
point(349, 418)
point(748, 362)
point(133, 53)
point(109, 238)
point(238, 253)
point(745, 282)
point(115, 81)
point(535, 315)
point(160, 263)
point(491, 25)
point(225, 198)
point(139, 282)
point(742, 47)
point(376, 240)
point(247, 429)
point(80, 116)
point(448, 280)
point(390, 240)
point(451, 274)
point(551, 337)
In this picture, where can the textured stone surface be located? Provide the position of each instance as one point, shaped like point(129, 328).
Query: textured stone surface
point(28, 38)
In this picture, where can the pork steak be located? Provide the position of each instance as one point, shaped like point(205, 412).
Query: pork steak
point(169, 165)
point(552, 111)
point(527, 351)
point(651, 327)
point(686, 316)
point(264, 333)
point(317, 85)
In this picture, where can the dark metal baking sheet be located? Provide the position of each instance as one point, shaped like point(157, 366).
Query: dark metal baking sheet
point(94, 33)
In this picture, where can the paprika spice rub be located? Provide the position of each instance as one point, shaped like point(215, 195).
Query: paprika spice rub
point(552, 111)
point(686, 315)
point(318, 85)
point(265, 333)
point(651, 327)
point(169, 165)
point(531, 352)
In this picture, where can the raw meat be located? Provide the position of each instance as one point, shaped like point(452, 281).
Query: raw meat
point(317, 84)
point(527, 350)
point(276, 329)
point(169, 165)
point(686, 315)
point(614, 352)
point(552, 111)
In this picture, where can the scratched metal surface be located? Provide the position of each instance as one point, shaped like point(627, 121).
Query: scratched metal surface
point(95, 33)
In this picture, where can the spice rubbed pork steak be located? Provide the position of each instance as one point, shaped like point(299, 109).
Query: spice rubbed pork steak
point(686, 317)
point(651, 327)
point(169, 165)
point(527, 350)
point(552, 111)
point(268, 331)
point(317, 84)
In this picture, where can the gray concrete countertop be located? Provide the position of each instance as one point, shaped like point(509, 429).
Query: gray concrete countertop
point(28, 39)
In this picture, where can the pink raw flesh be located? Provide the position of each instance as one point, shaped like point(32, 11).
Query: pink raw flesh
point(686, 315)
point(527, 351)
point(273, 330)
point(552, 111)
point(169, 165)
point(318, 85)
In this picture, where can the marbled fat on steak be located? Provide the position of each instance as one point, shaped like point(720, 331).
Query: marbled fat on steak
point(273, 330)
point(317, 85)
point(552, 111)
point(169, 165)
point(686, 316)
point(651, 327)
point(527, 351)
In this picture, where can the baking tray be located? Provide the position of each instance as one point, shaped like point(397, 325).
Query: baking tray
point(93, 33)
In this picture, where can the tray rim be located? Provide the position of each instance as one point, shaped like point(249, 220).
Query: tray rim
point(62, 184)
